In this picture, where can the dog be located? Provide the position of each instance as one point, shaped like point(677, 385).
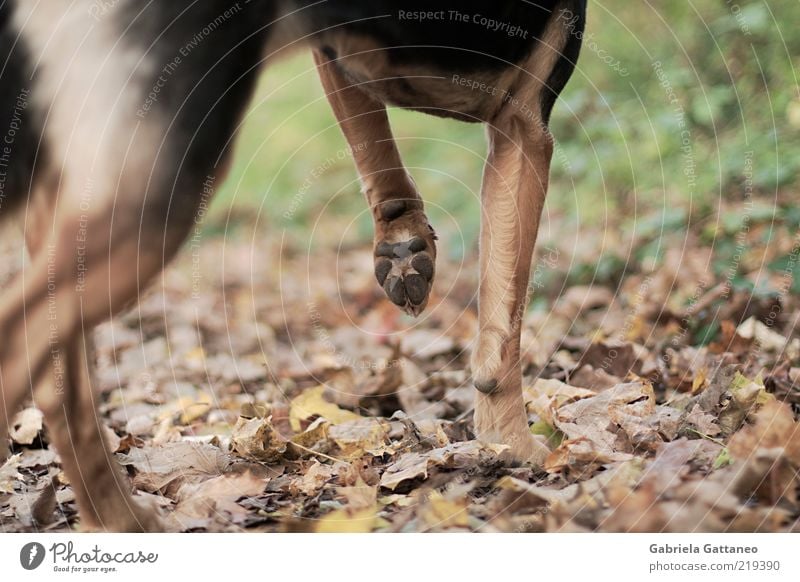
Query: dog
point(115, 112)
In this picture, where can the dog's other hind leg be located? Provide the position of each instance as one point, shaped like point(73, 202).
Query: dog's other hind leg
point(404, 247)
point(146, 164)
point(512, 198)
point(514, 188)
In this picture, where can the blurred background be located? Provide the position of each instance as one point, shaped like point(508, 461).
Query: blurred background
point(676, 112)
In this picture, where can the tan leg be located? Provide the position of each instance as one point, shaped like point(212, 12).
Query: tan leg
point(513, 194)
point(66, 396)
point(59, 315)
point(404, 247)
point(101, 489)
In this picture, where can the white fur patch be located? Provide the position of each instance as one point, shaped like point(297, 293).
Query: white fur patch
point(89, 84)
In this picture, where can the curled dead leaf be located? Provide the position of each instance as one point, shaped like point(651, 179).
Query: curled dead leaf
point(257, 439)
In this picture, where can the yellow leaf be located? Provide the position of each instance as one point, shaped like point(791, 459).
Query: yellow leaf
point(360, 495)
point(196, 409)
point(356, 437)
point(317, 431)
point(441, 513)
point(197, 354)
point(311, 403)
point(699, 381)
point(346, 521)
point(173, 407)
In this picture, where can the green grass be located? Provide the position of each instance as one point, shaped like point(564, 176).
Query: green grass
point(732, 71)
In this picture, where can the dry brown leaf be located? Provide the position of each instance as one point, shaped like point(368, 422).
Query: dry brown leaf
point(257, 439)
point(159, 466)
point(414, 465)
point(587, 424)
point(360, 495)
point(313, 479)
point(546, 395)
point(613, 357)
point(774, 426)
point(198, 504)
point(581, 451)
point(770, 450)
point(315, 433)
point(767, 337)
point(593, 379)
point(359, 436)
point(704, 423)
point(745, 395)
point(9, 473)
point(408, 467)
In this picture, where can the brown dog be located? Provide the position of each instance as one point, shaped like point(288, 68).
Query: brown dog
point(118, 111)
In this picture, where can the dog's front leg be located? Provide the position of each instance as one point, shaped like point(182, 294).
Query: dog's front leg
point(512, 197)
point(404, 248)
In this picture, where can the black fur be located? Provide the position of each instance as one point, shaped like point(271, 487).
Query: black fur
point(205, 95)
point(448, 44)
point(573, 13)
point(20, 126)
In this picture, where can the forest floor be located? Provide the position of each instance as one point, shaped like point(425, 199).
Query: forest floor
point(262, 386)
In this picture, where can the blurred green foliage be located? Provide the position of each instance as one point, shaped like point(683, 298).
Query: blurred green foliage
point(674, 108)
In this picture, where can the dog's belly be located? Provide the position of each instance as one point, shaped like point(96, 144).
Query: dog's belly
point(471, 97)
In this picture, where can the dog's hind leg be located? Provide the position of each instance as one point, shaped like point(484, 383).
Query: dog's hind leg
point(47, 347)
point(514, 188)
point(404, 247)
point(66, 396)
point(512, 198)
point(130, 171)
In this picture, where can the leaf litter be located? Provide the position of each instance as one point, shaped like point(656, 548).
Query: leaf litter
point(270, 399)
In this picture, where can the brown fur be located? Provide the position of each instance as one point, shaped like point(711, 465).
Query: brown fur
point(121, 261)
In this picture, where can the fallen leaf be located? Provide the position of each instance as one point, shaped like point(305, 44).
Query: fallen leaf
point(344, 520)
point(257, 439)
point(702, 422)
point(408, 467)
point(612, 357)
point(745, 395)
point(311, 403)
point(767, 337)
point(159, 466)
point(198, 504)
point(312, 479)
point(547, 395)
point(356, 437)
point(360, 495)
point(9, 473)
point(586, 423)
point(774, 426)
point(26, 426)
point(440, 513)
